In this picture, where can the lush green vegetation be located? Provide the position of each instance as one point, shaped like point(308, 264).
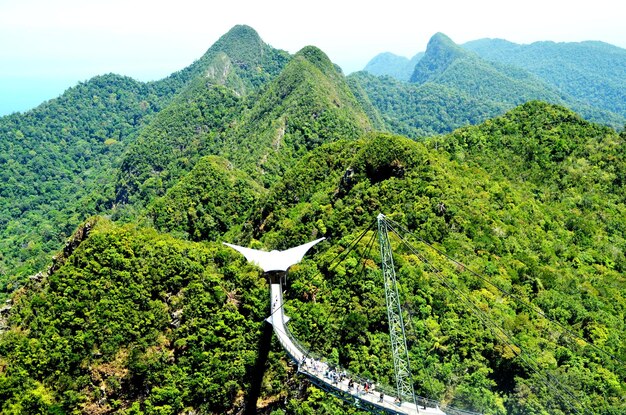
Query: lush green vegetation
point(251, 60)
point(592, 72)
point(308, 104)
point(422, 110)
point(451, 87)
point(553, 247)
point(56, 162)
point(177, 137)
point(213, 199)
point(397, 67)
point(134, 319)
point(255, 147)
point(59, 161)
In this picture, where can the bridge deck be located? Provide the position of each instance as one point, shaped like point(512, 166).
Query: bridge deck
point(317, 370)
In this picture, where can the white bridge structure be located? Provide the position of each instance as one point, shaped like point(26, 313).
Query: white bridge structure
point(331, 378)
point(320, 374)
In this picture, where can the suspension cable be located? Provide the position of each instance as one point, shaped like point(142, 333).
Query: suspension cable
point(529, 306)
point(342, 253)
point(330, 269)
point(508, 340)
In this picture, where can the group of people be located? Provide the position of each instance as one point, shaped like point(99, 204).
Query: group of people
point(338, 377)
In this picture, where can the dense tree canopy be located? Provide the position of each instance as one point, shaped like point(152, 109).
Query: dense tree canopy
point(451, 86)
point(56, 162)
point(143, 312)
point(592, 71)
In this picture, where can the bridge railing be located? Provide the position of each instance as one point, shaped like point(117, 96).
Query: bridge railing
point(387, 390)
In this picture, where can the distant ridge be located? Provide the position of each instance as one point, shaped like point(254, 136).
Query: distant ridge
point(253, 60)
point(398, 67)
point(588, 77)
point(592, 72)
point(440, 54)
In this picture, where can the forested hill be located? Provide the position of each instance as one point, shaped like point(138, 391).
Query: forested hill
point(393, 65)
point(250, 59)
point(307, 104)
point(143, 311)
point(532, 201)
point(500, 75)
point(55, 164)
point(592, 72)
point(448, 64)
point(419, 111)
point(59, 161)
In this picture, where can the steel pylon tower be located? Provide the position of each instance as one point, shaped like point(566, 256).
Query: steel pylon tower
point(399, 349)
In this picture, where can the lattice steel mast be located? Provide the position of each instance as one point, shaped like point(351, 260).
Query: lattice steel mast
point(399, 349)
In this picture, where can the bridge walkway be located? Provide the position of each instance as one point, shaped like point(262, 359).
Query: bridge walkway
point(318, 371)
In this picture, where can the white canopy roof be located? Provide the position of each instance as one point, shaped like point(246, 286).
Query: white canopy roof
point(275, 260)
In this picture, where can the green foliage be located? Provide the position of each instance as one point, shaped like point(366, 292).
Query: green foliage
point(397, 67)
point(134, 317)
point(517, 223)
point(452, 87)
point(56, 163)
point(441, 53)
point(134, 321)
point(178, 136)
point(592, 72)
point(421, 110)
point(210, 101)
point(307, 105)
point(248, 58)
point(211, 200)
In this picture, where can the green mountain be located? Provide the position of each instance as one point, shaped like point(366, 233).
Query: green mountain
point(252, 60)
point(532, 201)
point(144, 312)
point(452, 87)
point(307, 105)
point(237, 65)
point(440, 54)
point(55, 166)
point(448, 64)
point(420, 110)
point(59, 160)
point(117, 329)
point(398, 67)
point(176, 138)
point(515, 208)
point(592, 72)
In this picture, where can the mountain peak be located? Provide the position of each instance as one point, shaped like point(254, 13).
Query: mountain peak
point(317, 57)
point(440, 38)
point(440, 53)
point(239, 34)
point(242, 44)
point(240, 30)
point(390, 64)
point(254, 61)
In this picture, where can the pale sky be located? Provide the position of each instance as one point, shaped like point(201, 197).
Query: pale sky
point(47, 46)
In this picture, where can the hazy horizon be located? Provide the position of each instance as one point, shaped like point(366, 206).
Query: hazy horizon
point(54, 46)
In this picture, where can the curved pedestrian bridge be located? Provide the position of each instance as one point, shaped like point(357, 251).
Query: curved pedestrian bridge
point(336, 381)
